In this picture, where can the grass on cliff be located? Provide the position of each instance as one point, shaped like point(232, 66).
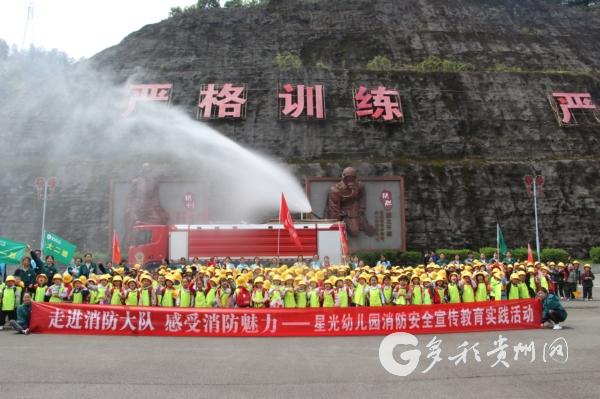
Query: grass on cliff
point(381, 63)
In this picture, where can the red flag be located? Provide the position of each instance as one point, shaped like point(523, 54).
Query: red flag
point(343, 239)
point(286, 218)
point(529, 253)
point(116, 255)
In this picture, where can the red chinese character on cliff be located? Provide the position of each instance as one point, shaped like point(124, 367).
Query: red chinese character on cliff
point(378, 104)
point(301, 100)
point(386, 200)
point(574, 109)
point(227, 101)
point(148, 92)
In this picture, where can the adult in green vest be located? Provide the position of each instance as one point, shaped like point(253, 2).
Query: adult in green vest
point(512, 288)
point(39, 290)
point(10, 298)
point(453, 289)
point(56, 291)
point(416, 291)
point(301, 294)
point(468, 294)
point(359, 296)
point(341, 294)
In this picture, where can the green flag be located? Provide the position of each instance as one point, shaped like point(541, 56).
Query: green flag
point(62, 250)
point(501, 243)
point(11, 252)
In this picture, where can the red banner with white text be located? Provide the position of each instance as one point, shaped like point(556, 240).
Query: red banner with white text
point(425, 319)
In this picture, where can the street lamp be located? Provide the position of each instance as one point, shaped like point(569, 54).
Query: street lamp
point(537, 182)
point(45, 189)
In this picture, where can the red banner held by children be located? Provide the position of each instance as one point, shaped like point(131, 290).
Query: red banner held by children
point(425, 319)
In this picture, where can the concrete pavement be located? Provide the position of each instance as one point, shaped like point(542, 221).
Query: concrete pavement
point(55, 366)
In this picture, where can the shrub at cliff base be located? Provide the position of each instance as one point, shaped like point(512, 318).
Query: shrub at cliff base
point(595, 254)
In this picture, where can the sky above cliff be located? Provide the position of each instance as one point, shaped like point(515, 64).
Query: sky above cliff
point(80, 28)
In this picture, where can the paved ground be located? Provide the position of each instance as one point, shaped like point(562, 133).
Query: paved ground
point(53, 366)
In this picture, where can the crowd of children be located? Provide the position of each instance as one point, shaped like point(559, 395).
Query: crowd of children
point(296, 286)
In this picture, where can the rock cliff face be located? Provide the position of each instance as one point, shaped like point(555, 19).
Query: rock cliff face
point(468, 138)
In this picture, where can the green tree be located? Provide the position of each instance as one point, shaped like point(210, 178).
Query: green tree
point(208, 4)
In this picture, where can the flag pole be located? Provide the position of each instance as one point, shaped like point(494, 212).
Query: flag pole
point(537, 228)
point(498, 241)
point(279, 226)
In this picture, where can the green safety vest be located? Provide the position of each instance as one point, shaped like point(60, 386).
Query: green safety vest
point(313, 296)
point(101, 293)
point(289, 299)
point(523, 290)
point(257, 297)
point(40, 294)
point(132, 298)
point(58, 299)
point(481, 295)
point(426, 296)
point(210, 297)
point(276, 293)
point(513, 293)
point(115, 299)
point(200, 300)
point(387, 293)
point(374, 296)
point(9, 299)
point(468, 294)
point(442, 293)
point(417, 297)
point(342, 294)
point(185, 298)
point(453, 293)
point(328, 301)
point(78, 297)
point(301, 299)
point(497, 289)
point(146, 300)
point(166, 299)
point(544, 282)
point(223, 299)
point(359, 295)
point(401, 298)
point(532, 284)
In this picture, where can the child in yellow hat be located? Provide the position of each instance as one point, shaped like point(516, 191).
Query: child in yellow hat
point(416, 291)
point(276, 293)
point(401, 292)
point(10, 298)
point(314, 293)
point(56, 291)
point(260, 296)
point(301, 293)
point(327, 294)
point(373, 293)
point(289, 293)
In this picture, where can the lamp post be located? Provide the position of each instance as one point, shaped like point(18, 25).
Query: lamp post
point(45, 187)
point(537, 182)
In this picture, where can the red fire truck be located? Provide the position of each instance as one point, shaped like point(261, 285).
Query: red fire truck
point(153, 243)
